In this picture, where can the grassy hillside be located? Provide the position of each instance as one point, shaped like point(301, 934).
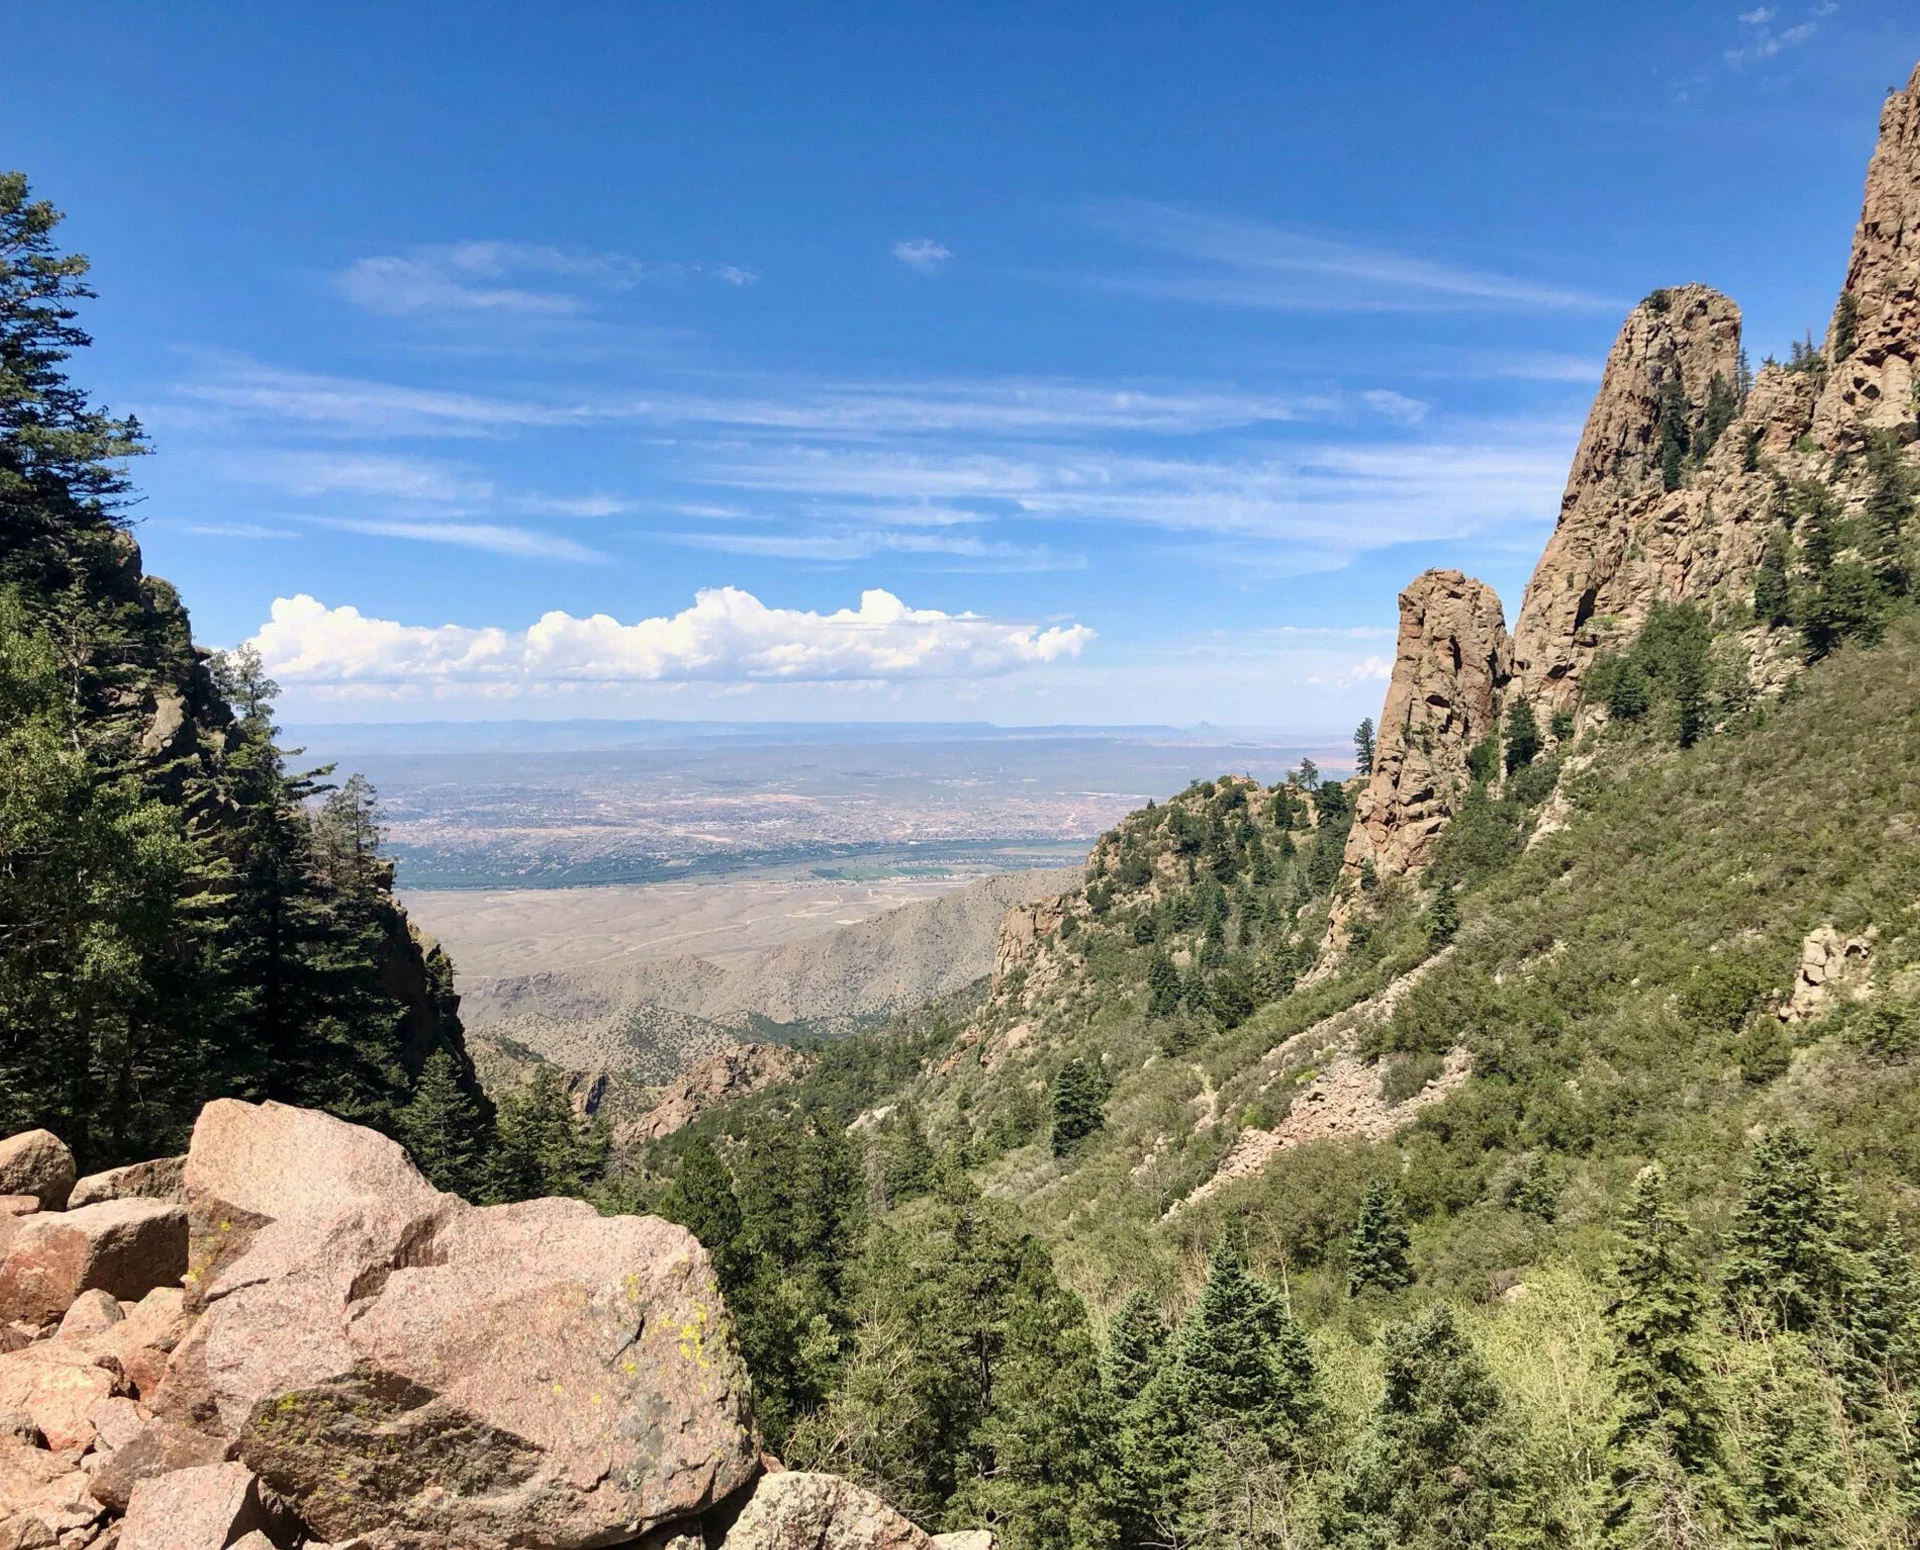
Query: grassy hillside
point(1616, 988)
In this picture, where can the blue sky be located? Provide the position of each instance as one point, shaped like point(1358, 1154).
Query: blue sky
point(1030, 362)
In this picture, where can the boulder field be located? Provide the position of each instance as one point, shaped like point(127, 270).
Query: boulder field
point(288, 1338)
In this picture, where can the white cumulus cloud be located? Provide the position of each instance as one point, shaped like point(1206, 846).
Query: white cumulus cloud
point(728, 635)
point(922, 253)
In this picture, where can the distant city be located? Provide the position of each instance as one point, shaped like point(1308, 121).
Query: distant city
point(563, 804)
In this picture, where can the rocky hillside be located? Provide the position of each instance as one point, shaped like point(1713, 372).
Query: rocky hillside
point(288, 1337)
point(653, 1020)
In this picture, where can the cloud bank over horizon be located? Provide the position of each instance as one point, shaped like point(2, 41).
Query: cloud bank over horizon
point(727, 636)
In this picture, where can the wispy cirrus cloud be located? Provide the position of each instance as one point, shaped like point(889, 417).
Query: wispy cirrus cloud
point(1229, 261)
point(247, 391)
point(252, 530)
point(518, 543)
point(1762, 43)
point(1317, 505)
point(839, 545)
point(727, 635)
point(835, 472)
point(506, 277)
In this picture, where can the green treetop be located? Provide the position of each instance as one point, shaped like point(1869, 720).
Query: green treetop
point(1377, 1249)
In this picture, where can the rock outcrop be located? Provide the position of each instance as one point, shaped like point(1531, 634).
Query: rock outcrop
point(722, 1077)
point(318, 1345)
point(1874, 340)
point(795, 1510)
point(1624, 541)
point(1449, 665)
point(1674, 489)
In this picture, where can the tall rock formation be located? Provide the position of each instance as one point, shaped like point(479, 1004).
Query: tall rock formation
point(1444, 697)
point(1677, 482)
point(1624, 540)
point(1872, 342)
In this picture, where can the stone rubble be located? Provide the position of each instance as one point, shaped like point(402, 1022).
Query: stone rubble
point(290, 1338)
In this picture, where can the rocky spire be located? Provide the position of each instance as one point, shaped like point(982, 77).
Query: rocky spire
point(1659, 379)
point(1443, 698)
point(1874, 340)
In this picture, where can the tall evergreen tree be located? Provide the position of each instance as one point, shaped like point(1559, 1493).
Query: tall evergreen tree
point(1363, 747)
point(1772, 591)
point(906, 1156)
point(446, 1128)
point(545, 1148)
point(1163, 986)
point(1787, 1262)
point(1243, 1361)
point(701, 1199)
point(1723, 404)
point(1675, 441)
point(801, 1198)
point(1439, 1457)
point(1889, 514)
point(1691, 711)
point(1378, 1248)
point(1523, 736)
point(1664, 1437)
point(1629, 693)
point(1846, 326)
point(1044, 1446)
point(1079, 1100)
point(1136, 1345)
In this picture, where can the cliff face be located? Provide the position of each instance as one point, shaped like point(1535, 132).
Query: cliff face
point(1872, 340)
point(1444, 697)
point(1674, 488)
point(1624, 540)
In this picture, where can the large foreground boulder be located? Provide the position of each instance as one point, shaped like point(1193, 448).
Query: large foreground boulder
point(37, 1163)
point(391, 1359)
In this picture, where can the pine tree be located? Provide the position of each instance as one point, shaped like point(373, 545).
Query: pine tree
point(1674, 440)
point(1363, 747)
point(1690, 674)
point(1440, 1455)
point(906, 1156)
point(62, 461)
point(1443, 915)
point(1723, 404)
point(1377, 1250)
point(545, 1148)
point(1786, 1262)
point(801, 1193)
point(1772, 592)
point(1079, 1098)
point(1136, 1345)
point(1523, 736)
point(446, 1129)
point(1889, 514)
point(701, 1199)
point(1630, 694)
point(1790, 1464)
point(1846, 326)
point(1664, 1429)
point(1045, 1444)
point(1243, 1361)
